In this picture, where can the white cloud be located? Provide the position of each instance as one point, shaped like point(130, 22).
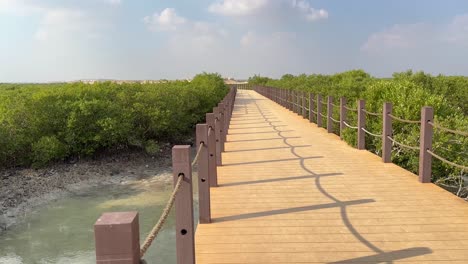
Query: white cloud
point(398, 37)
point(311, 14)
point(167, 20)
point(237, 7)
point(114, 2)
point(417, 37)
point(60, 23)
point(457, 31)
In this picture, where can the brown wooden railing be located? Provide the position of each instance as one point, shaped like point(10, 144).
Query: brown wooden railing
point(296, 101)
point(117, 234)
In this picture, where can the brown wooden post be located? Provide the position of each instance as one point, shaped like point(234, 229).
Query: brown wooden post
point(117, 238)
point(361, 124)
point(427, 132)
point(304, 103)
point(222, 125)
point(185, 239)
point(329, 114)
point(387, 132)
point(319, 110)
point(311, 107)
point(213, 174)
point(290, 100)
point(203, 175)
point(343, 116)
point(218, 128)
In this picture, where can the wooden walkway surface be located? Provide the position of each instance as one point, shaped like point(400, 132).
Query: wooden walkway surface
point(289, 192)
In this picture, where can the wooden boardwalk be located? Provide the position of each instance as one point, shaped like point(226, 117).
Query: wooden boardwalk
point(289, 192)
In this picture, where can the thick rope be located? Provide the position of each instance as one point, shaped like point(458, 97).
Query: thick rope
point(198, 153)
point(402, 145)
point(404, 120)
point(322, 115)
point(446, 161)
point(457, 132)
point(370, 133)
point(315, 112)
point(350, 109)
point(334, 120)
point(155, 231)
point(335, 105)
point(350, 126)
point(370, 113)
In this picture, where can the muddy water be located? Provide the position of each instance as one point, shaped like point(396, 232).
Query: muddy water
point(62, 231)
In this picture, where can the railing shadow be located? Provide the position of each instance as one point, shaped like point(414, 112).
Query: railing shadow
point(380, 257)
point(291, 210)
point(278, 179)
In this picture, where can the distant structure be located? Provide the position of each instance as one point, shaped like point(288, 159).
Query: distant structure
point(234, 81)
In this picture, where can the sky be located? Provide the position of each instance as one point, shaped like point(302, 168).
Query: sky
point(64, 40)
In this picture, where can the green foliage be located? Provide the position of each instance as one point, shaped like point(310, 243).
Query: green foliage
point(61, 120)
point(258, 80)
point(47, 149)
point(408, 92)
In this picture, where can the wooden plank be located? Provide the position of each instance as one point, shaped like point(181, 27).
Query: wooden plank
point(289, 192)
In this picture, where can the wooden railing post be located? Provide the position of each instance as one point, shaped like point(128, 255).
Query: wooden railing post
point(343, 116)
point(329, 114)
point(304, 103)
point(212, 171)
point(218, 129)
point(185, 239)
point(203, 174)
point(117, 238)
point(222, 125)
point(361, 124)
point(319, 110)
point(387, 132)
point(311, 107)
point(427, 132)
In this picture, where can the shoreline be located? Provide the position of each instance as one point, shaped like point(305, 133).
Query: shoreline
point(23, 191)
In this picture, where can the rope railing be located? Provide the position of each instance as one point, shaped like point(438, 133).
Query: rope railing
point(322, 115)
point(315, 112)
point(404, 120)
point(447, 161)
point(457, 132)
point(334, 120)
point(198, 153)
point(350, 109)
point(402, 145)
point(350, 126)
point(370, 113)
point(162, 220)
point(335, 105)
point(370, 133)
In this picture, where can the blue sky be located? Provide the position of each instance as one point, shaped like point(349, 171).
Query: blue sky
point(59, 40)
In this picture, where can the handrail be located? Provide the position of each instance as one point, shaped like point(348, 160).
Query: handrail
point(198, 153)
point(447, 161)
point(370, 113)
point(350, 109)
point(402, 145)
point(334, 120)
point(457, 132)
point(162, 219)
point(370, 133)
point(350, 126)
point(404, 120)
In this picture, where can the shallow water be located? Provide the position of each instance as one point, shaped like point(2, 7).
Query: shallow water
point(62, 231)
